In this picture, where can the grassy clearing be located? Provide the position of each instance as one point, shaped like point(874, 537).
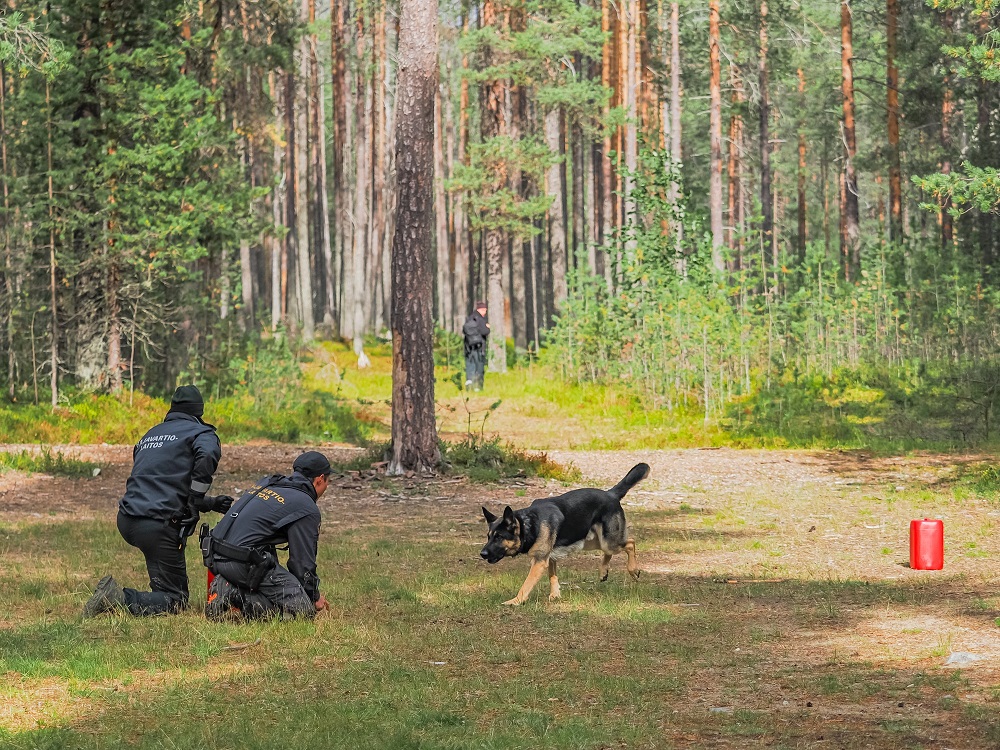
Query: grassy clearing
point(46, 462)
point(746, 629)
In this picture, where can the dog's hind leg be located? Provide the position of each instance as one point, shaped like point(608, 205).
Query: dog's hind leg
point(632, 566)
point(553, 581)
point(538, 568)
point(605, 566)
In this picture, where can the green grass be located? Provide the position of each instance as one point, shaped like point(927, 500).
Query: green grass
point(418, 653)
point(46, 462)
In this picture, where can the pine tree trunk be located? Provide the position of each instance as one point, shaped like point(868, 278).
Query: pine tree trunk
point(7, 254)
point(53, 301)
point(463, 245)
point(892, 107)
point(493, 95)
point(631, 121)
point(321, 199)
point(604, 171)
point(414, 435)
point(675, 107)
point(557, 211)
point(341, 158)
point(986, 151)
point(801, 239)
point(715, 136)
point(851, 215)
point(303, 242)
point(445, 297)
point(362, 173)
point(766, 198)
point(734, 168)
point(947, 112)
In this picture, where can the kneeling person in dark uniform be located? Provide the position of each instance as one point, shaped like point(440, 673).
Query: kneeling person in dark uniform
point(172, 471)
point(241, 550)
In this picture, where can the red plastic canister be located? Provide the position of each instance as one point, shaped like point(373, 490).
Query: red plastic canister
point(927, 544)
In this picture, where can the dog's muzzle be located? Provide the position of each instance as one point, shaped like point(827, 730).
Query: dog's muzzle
point(490, 557)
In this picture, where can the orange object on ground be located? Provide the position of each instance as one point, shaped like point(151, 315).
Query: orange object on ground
point(927, 544)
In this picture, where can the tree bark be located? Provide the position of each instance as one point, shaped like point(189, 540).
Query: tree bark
point(631, 121)
point(414, 435)
point(445, 297)
point(801, 239)
point(850, 210)
point(892, 106)
point(715, 136)
point(734, 168)
point(362, 174)
point(557, 212)
point(492, 124)
point(53, 300)
point(766, 197)
point(947, 112)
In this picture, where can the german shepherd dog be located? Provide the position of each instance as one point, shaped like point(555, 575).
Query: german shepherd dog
point(550, 528)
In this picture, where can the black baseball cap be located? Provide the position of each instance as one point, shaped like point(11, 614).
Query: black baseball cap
point(312, 464)
point(187, 400)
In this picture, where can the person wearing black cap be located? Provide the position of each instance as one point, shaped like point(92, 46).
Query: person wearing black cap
point(241, 550)
point(172, 470)
point(475, 331)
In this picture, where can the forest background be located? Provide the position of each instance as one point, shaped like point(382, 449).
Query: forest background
point(775, 220)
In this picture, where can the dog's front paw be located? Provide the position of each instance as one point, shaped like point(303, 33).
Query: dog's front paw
point(515, 602)
point(635, 574)
point(554, 596)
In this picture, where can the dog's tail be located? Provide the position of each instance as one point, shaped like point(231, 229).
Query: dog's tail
point(635, 475)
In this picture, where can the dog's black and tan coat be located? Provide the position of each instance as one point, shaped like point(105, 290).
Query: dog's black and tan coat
point(552, 527)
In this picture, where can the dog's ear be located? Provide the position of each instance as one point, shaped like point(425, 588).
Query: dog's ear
point(508, 516)
point(490, 518)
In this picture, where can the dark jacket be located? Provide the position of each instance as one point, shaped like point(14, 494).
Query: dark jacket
point(475, 332)
point(173, 460)
point(278, 510)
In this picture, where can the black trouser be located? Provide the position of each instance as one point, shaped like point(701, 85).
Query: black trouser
point(163, 547)
point(475, 365)
point(280, 593)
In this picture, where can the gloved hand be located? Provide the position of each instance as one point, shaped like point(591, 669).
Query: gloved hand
point(222, 503)
point(200, 502)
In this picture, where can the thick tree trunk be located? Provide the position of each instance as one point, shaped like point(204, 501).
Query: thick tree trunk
point(715, 136)
point(850, 210)
point(892, 107)
point(554, 188)
point(414, 436)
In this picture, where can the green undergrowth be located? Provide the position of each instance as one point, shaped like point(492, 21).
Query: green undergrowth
point(482, 459)
point(92, 418)
point(46, 462)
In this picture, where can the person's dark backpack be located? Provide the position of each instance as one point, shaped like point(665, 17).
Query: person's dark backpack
point(470, 330)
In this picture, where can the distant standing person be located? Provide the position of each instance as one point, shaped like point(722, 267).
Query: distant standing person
point(241, 550)
point(475, 331)
point(172, 471)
